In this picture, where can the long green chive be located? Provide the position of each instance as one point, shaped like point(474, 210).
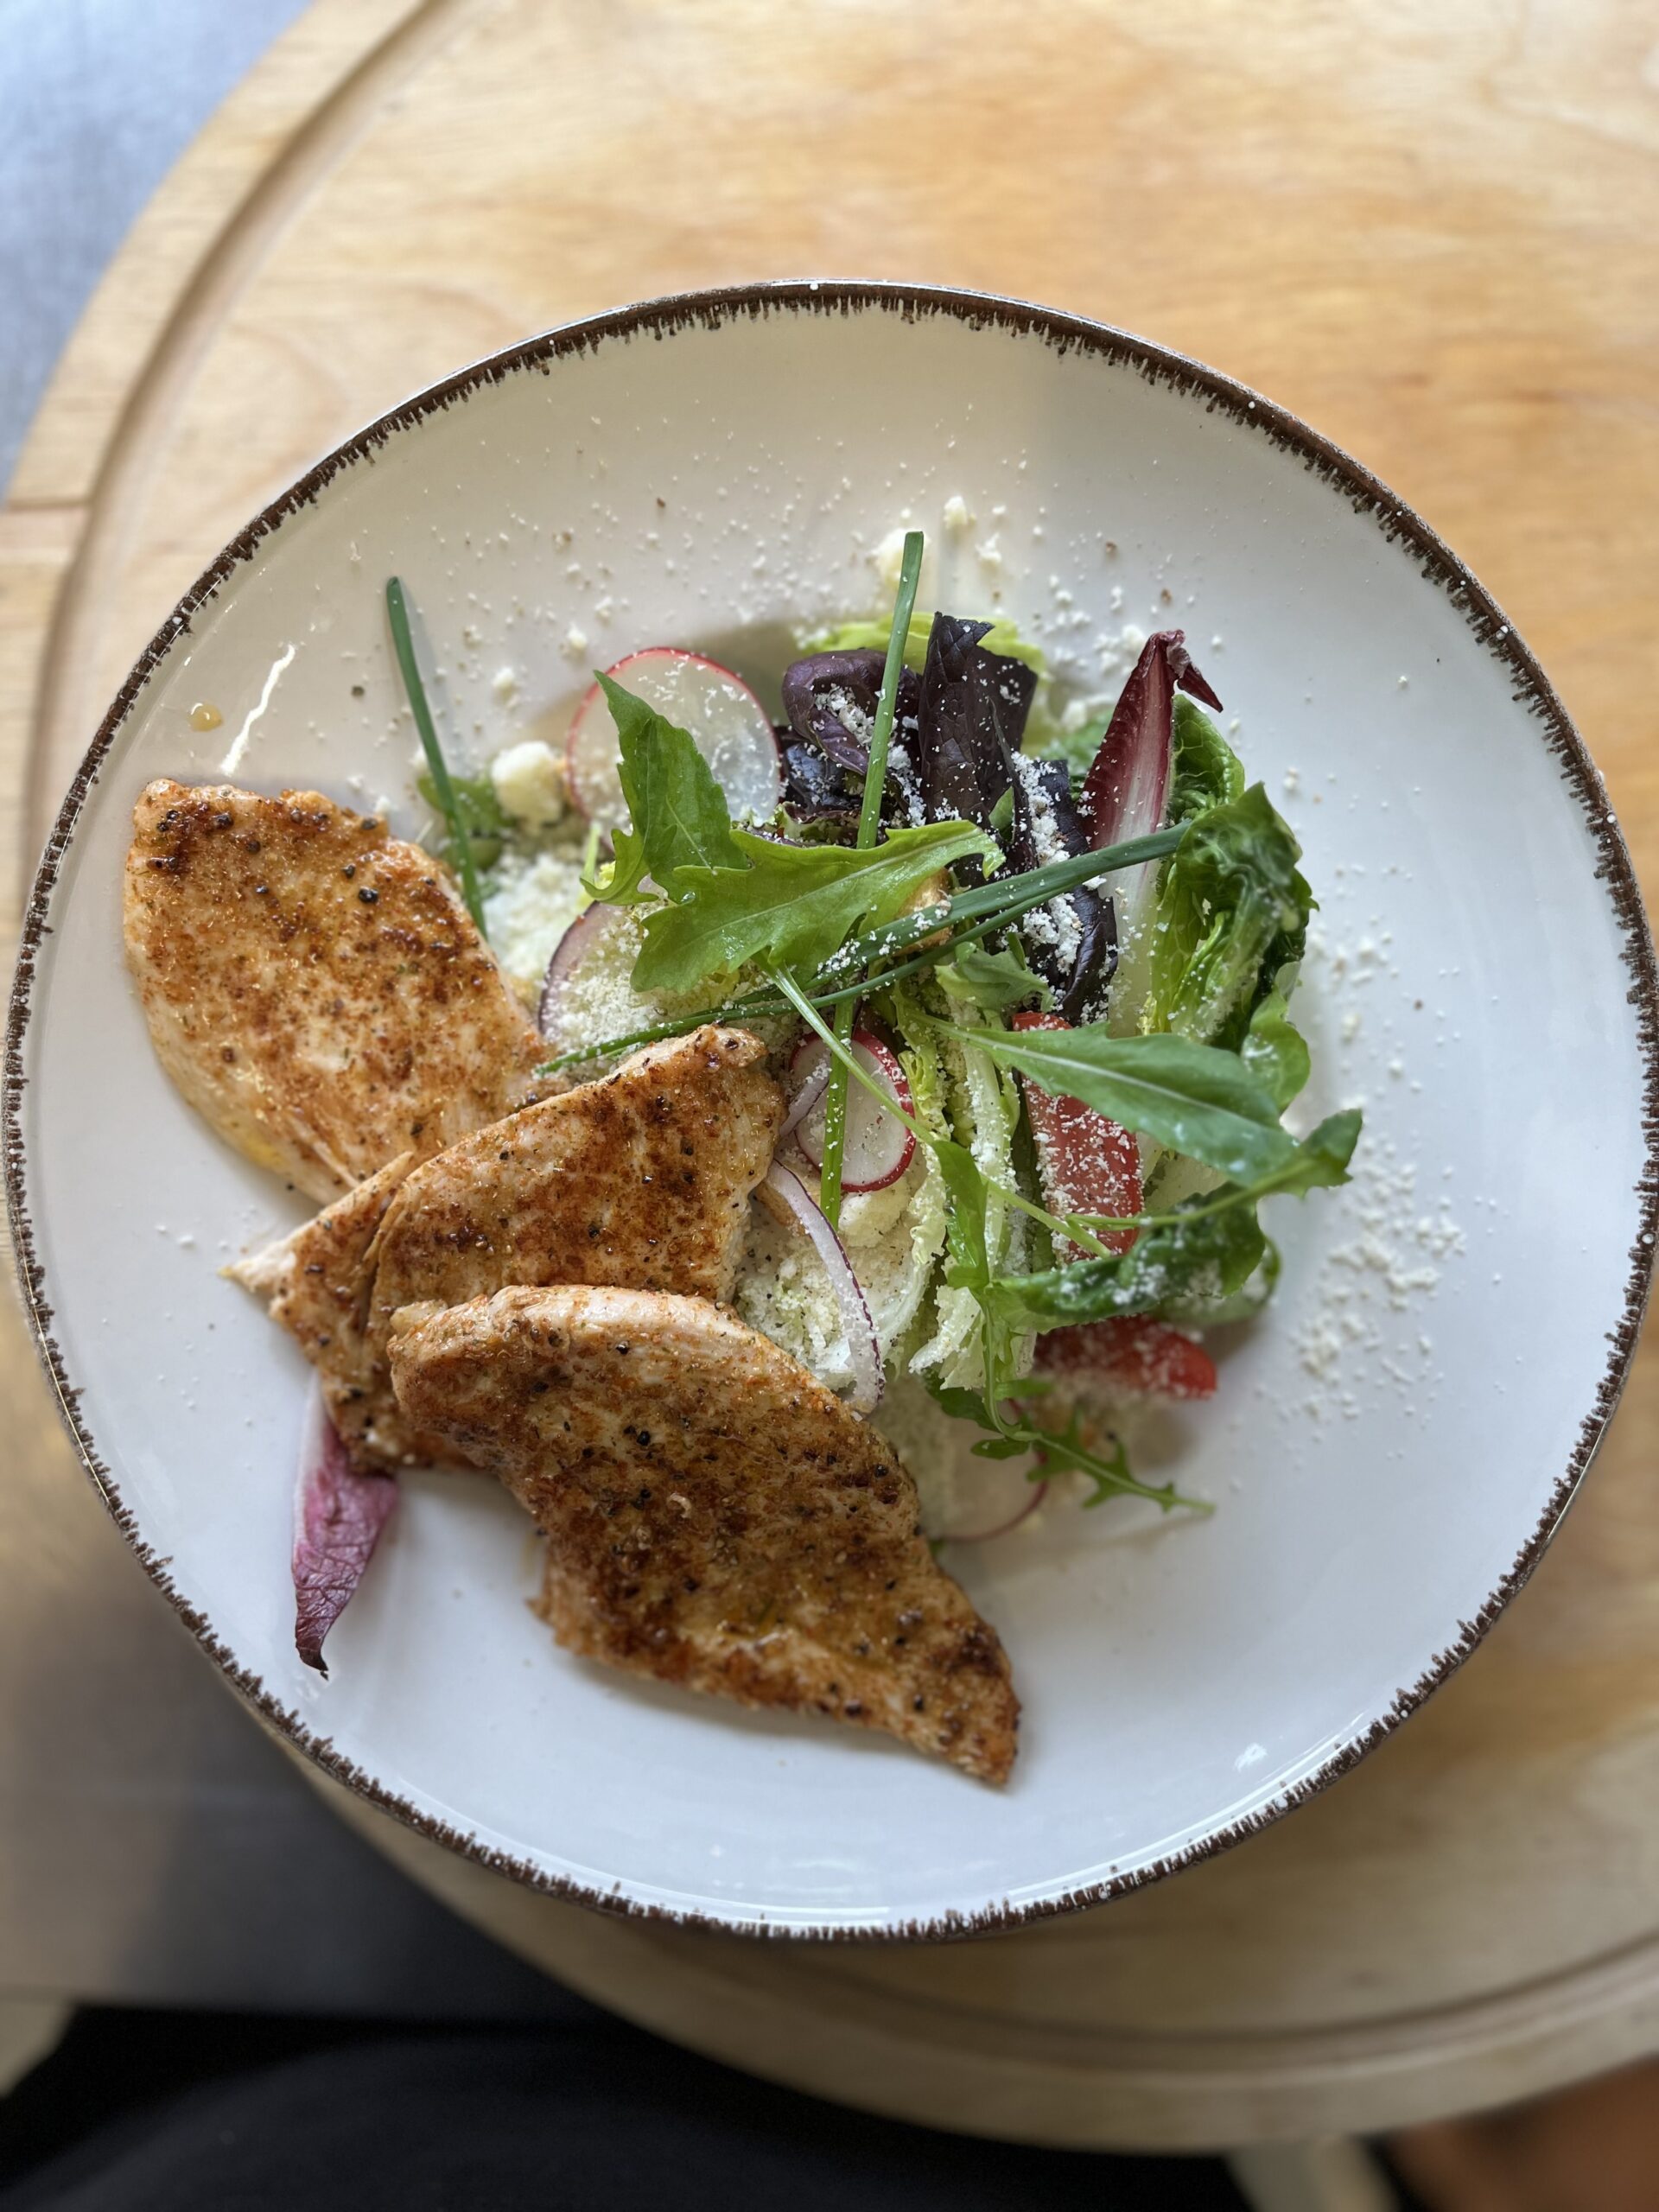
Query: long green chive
point(461, 842)
point(869, 820)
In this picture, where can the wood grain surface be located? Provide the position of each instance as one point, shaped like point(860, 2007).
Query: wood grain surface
point(1429, 231)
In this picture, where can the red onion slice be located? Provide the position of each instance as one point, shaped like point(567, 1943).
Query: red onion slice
point(338, 1517)
point(864, 1351)
point(811, 1077)
point(1023, 1508)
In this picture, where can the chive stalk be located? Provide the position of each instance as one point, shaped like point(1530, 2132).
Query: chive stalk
point(461, 842)
point(869, 822)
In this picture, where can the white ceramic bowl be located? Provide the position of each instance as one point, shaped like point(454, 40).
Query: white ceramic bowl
point(1391, 1448)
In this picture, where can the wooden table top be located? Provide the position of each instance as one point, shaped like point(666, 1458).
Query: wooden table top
point(1430, 234)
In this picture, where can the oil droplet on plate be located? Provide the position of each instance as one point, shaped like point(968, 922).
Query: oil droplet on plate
point(203, 715)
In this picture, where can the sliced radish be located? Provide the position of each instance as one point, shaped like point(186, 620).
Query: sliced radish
point(785, 1192)
point(878, 1147)
point(1130, 1357)
point(602, 940)
point(730, 727)
point(337, 1517)
point(990, 1502)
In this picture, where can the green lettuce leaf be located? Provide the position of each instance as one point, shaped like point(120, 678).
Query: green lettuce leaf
point(864, 637)
point(678, 813)
point(792, 905)
point(1205, 771)
point(1231, 911)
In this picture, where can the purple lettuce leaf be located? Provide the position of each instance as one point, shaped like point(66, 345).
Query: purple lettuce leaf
point(1046, 827)
point(338, 1517)
point(829, 700)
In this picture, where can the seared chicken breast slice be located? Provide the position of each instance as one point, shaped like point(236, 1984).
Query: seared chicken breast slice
point(315, 1283)
point(315, 987)
point(715, 1517)
point(641, 1179)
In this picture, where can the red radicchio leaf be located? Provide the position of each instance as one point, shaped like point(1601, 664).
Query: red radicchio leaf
point(1124, 794)
point(337, 1517)
point(1088, 1163)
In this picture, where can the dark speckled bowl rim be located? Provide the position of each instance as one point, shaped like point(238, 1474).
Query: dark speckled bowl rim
point(660, 318)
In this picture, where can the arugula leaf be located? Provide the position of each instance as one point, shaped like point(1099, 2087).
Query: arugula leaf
point(1210, 1256)
point(1193, 1098)
point(1242, 1304)
point(1232, 911)
point(678, 813)
point(1275, 1050)
point(1062, 1448)
point(793, 904)
point(1205, 771)
point(993, 980)
point(1202, 1257)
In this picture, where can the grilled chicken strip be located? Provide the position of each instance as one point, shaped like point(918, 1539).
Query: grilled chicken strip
point(315, 987)
point(716, 1518)
point(641, 1179)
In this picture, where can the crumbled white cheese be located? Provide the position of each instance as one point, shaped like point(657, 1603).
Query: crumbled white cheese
point(531, 900)
point(783, 1290)
point(504, 683)
point(574, 643)
point(956, 516)
point(530, 784)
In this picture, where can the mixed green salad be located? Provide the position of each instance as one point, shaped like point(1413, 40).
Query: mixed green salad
point(1027, 981)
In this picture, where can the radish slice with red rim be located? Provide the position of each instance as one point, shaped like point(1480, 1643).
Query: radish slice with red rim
point(338, 1517)
point(878, 1147)
point(726, 722)
point(600, 936)
point(864, 1352)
